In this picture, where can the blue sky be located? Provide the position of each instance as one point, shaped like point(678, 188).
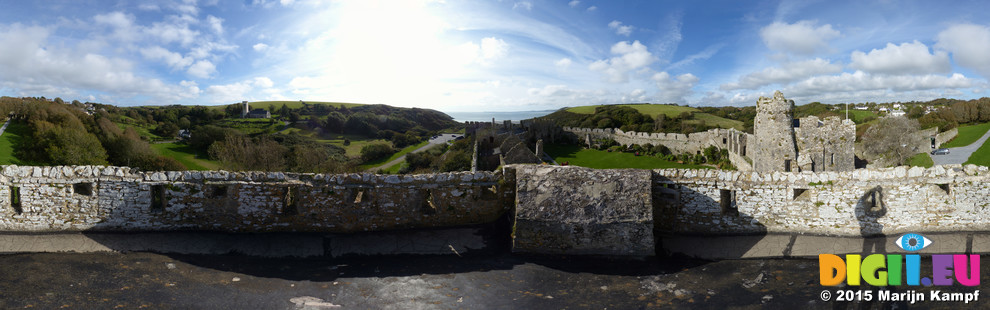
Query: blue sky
point(504, 55)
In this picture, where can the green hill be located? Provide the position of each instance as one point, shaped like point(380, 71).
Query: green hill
point(652, 110)
point(649, 109)
point(290, 104)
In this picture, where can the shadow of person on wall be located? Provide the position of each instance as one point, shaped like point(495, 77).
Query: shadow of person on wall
point(869, 209)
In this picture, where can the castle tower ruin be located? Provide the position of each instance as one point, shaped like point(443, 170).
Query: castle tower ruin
point(774, 148)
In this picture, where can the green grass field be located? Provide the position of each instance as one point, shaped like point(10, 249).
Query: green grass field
point(921, 160)
point(981, 156)
point(144, 131)
point(185, 155)
point(858, 115)
point(967, 135)
point(577, 156)
point(251, 126)
point(670, 110)
point(712, 120)
point(404, 151)
point(12, 136)
point(649, 109)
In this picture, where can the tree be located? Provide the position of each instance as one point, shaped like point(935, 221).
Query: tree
point(376, 151)
point(892, 140)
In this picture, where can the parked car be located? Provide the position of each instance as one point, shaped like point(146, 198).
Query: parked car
point(940, 152)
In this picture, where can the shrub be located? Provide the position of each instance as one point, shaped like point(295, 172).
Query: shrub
point(376, 151)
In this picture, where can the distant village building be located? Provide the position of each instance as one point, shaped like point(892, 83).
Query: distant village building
point(256, 113)
point(185, 134)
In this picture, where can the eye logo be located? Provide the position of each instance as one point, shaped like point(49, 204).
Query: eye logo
point(913, 242)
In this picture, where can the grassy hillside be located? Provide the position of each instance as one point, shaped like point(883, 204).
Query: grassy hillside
point(720, 122)
point(185, 155)
point(296, 104)
point(11, 136)
point(649, 109)
point(967, 135)
point(652, 110)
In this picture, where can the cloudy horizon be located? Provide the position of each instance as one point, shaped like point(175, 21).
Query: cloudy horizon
point(493, 55)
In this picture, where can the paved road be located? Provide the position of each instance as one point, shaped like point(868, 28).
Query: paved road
point(4, 126)
point(440, 139)
point(959, 155)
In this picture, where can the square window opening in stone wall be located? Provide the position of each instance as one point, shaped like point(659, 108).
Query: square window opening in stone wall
point(787, 165)
point(727, 200)
point(85, 189)
point(157, 197)
point(800, 193)
point(218, 191)
point(945, 188)
point(15, 199)
point(725, 141)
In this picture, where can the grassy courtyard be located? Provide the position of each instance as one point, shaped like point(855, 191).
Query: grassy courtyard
point(578, 156)
point(186, 156)
point(921, 160)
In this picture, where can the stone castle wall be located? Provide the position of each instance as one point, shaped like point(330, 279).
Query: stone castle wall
point(825, 145)
point(694, 143)
point(121, 199)
point(773, 145)
point(863, 201)
point(552, 200)
point(574, 210)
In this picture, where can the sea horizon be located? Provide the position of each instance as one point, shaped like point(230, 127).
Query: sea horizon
point(514, 116)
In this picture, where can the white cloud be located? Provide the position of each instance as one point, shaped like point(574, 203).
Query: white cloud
point(234, 92)
point(30, 65)
point(260, 47)
point(202, 69)
point(263, 82)
point(630, 57)
point(787, 73)
point(637, 95)
point(122, 25)
point(523, 5)
point(493, 48)
point(674, 89)
point(173, 32)
point(592, 8)
point(286, 2)
point(799, 38)
point(551, 91)
point(149, 7)
point(862, 81)
point(563, 63)
point(620, 29)
point(258, 88)
point(205, 49)
point(907, 58)
point(216, 24)
point(969, 45)
point(174, 60)
point(574, 3)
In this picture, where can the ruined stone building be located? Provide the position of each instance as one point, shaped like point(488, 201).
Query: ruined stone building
point(783, 143)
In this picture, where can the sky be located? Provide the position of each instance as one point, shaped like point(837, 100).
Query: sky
point(478, 55)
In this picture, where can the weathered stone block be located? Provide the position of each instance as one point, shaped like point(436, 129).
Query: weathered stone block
point(573, 210)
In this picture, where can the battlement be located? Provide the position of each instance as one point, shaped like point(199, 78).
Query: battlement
point(618, 204)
